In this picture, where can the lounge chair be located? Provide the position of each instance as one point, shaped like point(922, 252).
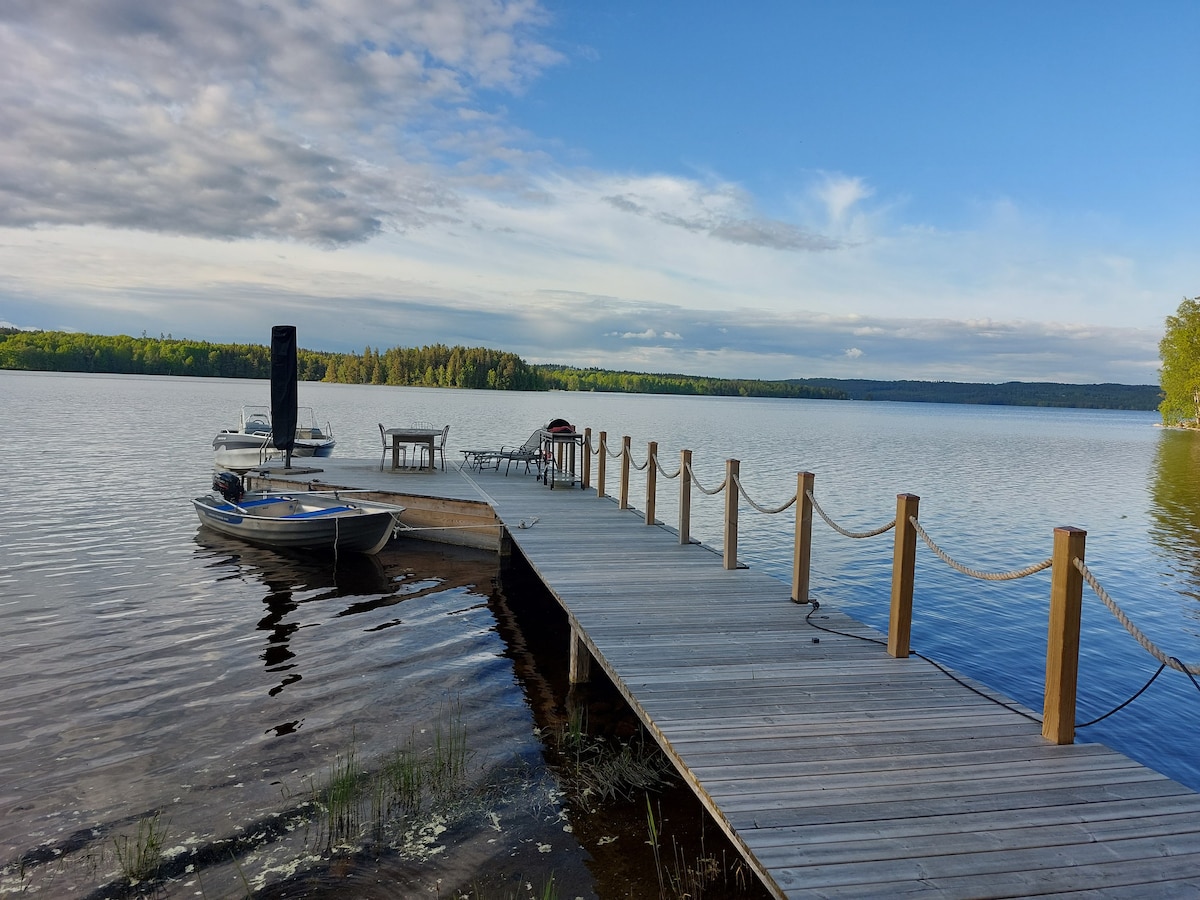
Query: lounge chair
point(529, 452)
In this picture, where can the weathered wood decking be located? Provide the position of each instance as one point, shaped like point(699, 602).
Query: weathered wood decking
point(836, 769)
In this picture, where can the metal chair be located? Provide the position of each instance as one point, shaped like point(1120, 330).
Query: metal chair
point(387, 446)
point(439, 446)
point(422, 448)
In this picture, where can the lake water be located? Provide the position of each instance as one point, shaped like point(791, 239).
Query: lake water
point(151, 669)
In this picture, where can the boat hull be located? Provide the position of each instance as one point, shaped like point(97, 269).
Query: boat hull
point(302, 521)
point(252, 443)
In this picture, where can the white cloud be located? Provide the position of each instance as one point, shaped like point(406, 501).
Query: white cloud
point(202, 169)
point(316, 122)
point(840, 194)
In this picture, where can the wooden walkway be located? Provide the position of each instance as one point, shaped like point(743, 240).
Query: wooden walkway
point(836, 769)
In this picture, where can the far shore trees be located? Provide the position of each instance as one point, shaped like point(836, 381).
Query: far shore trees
point(1179, 351)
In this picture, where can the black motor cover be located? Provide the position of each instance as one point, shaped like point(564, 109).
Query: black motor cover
point(228, 486)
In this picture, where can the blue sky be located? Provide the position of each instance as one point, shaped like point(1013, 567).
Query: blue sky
point(982, 191)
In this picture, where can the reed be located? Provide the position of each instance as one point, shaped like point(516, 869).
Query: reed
point(687, 877)
point(340, 798)
point(139, 856)
point(358, 803)
point(595, 769)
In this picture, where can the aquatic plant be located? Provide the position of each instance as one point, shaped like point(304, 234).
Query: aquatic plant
point(681, 879)
point(140, 856)
point(357, 803)
point(595, 769)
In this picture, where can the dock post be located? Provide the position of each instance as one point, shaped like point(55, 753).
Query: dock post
point(904, 560)
point(587, 458)
point(601, 459)
point(802, 549)
point(685, 496)
point(651, 480)
point(624, 497)
point(581, 659)
point(732, 467)
point(1062, 640)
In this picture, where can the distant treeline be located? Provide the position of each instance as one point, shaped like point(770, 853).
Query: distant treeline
point(436, 366)
point(1010, 393)
point(570, 379)
point(479, 367)
point(431, 366)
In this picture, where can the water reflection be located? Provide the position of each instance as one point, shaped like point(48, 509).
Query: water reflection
point(402, 572)
point(292, 579)
point(1175, 507)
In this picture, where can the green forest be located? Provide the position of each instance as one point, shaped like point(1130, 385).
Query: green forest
point(1010, 393)
point(483, 368)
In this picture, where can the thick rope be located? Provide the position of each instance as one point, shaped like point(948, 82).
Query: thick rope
point(1146, 643)
point(842, 531)
point(635, 465)
point(620, 452)
point(720, 487)
point(975, 573)
point(665, 473)
point(763, 509)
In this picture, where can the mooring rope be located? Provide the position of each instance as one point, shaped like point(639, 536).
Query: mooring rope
point(975, 573)
point(770, 511)
point(839, 529)
point(405, 529)
point(1148, 645)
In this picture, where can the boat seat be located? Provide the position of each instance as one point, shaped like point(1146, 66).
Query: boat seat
point(319, 512)
point(264, 501)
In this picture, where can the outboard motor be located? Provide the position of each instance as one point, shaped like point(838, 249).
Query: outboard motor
point(228, 486)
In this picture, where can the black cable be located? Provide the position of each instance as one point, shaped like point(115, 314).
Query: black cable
point(935, 664)
point(949, 674)
point(1127, 702)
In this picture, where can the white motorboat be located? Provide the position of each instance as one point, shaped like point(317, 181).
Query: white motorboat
point(250, 443)
point(298, 520)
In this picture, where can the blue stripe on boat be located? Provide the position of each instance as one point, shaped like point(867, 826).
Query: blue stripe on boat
point(318, 512)
point(229, 507)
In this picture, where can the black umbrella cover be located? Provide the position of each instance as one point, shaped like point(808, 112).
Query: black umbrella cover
point(283, 386)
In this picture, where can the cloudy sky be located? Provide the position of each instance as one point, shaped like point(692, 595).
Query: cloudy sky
point(972, 191)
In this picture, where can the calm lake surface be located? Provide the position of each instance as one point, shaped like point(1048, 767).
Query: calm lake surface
point(150, 668)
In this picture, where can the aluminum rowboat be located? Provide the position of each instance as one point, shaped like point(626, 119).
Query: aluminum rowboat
point(302, 520)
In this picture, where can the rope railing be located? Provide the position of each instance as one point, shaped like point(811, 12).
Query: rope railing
point(770, 511)
point(1068, 572)
point(664, 472)
point(1148, 645)
point(882, 529)
point(720, 487)
point(975, 573)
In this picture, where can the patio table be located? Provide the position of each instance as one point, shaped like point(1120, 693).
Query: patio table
point(413, 436)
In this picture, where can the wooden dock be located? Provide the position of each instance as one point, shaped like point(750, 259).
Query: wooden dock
point(836, 769)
